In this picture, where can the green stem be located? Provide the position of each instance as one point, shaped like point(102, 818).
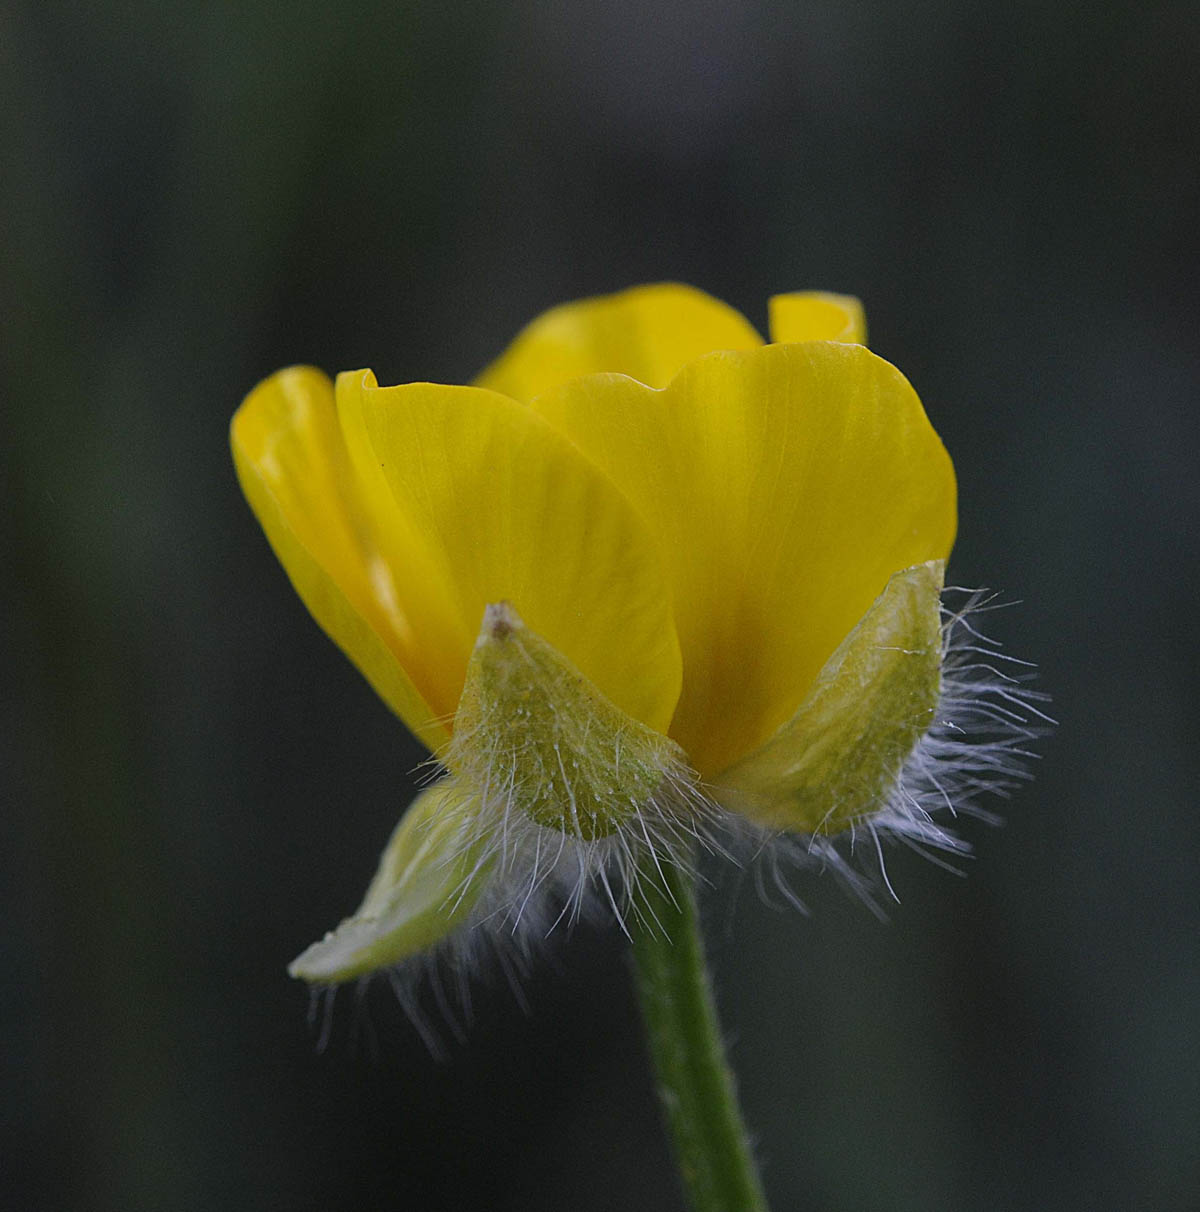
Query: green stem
point(694, 1080)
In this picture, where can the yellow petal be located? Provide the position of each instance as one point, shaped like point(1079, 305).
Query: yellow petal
point(648, 333)
point(786, 485)
point(816, 316)
point(296, 474)
point(429, 879)
point(409, 575)
point(837, 759)
point(514, 512)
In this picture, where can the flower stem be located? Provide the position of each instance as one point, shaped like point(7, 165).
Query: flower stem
point(694, 1080)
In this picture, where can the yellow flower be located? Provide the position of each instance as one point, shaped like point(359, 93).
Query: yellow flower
point(648, 577)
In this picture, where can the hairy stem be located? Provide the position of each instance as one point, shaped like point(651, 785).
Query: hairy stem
point(694, 1080)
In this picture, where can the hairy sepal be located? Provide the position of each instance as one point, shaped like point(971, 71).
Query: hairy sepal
point(978, 745)
point(573, 793)
point(837, 760)
point(430, 879)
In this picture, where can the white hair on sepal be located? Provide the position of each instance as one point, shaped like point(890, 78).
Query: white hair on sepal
point(536, 865)
point(541, 880)
point(434, 988)
point(987, 716)
point(540, 884)
point(566, 799)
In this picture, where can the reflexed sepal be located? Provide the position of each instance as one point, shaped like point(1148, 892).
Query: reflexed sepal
point(838, 758)
point(430, 878)
point(533, 736)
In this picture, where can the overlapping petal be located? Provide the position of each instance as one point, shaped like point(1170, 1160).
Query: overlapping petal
point(296, 473)
point(648, 333)
point(786, 485)
point(511, 511)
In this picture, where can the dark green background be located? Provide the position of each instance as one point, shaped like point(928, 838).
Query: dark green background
point(196, 784)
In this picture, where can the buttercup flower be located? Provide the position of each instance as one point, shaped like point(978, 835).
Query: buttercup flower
point(649, 583)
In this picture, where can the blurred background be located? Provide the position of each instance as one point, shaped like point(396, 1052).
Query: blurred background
point(196, 784)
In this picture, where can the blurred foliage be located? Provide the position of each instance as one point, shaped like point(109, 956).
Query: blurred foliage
point(196, 784)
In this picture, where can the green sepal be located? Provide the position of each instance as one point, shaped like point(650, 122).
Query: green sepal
point(837, 759)
point(535, 735)
point(428, 881)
